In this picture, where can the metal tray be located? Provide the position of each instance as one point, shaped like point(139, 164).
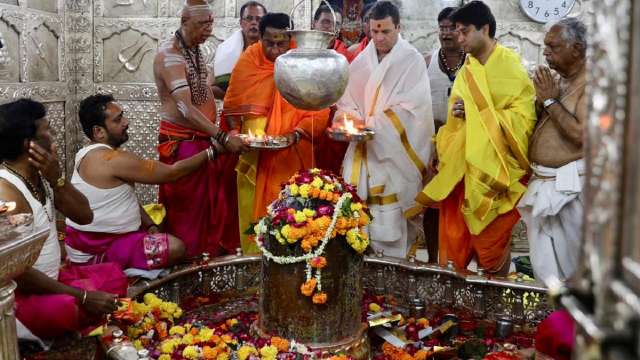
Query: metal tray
point(365, 134)
point(271, 143)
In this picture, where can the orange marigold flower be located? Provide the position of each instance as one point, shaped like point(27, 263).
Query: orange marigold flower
point(306, 245)
point(323, 195)
point(281, 344)
point(421, 355)
point(319, 298)
point(209, 353)
point(315, 193)
point(423, 322)
point(291, 211)
point(308, 287)
point(364, 219)
point(318, 262)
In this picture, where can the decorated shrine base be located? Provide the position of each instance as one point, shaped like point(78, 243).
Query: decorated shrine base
point(225, 329)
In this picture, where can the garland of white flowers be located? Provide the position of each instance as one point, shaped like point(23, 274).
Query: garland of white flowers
point(283, 260)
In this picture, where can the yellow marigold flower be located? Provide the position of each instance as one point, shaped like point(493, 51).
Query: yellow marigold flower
point(178, 313)
point(223, 356)
point(294, 189)
point(137, 344)
point(268, 352)
point(309, 213)
point(177, 330)
point(204, 335)
point(314, 171)
point(245, 351)
point(164, 357)
point(375, 308)
point(304, 190)
point(168, 346)
point(300, 217)
point(190, 352)
point(285, 231)
point(329, 187)
point(152, 300)
point(188, 339)
point(317, 182)
point(280, 239)
point(356, 206)
point(232, 322)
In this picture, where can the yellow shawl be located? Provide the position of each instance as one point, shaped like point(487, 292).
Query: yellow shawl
point(488, 150)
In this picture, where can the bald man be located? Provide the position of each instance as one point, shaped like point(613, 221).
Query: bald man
point(196, 210)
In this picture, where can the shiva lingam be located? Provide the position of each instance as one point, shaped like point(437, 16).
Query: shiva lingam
point(348, 132)
point(19, 249)
point(311, 76)
point(264, 141)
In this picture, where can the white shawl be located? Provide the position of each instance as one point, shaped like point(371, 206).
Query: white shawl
point(228, 53)
point(394, 99)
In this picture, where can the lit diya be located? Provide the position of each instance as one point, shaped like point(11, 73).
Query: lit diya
point(264, 141)
point(348, 132)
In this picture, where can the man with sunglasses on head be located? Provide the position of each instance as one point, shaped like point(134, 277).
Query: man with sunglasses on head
point(228, 52)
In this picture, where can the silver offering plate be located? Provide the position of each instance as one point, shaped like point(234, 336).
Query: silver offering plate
point(13, 225)
point(339, 134)
point(266, 143)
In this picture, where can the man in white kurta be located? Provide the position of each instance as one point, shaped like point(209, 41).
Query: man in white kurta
point(388, 92)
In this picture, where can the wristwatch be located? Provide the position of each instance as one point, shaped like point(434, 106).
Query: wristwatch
point(60, 182)
point(549, 102)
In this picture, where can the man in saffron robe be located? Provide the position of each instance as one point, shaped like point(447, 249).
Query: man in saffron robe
point(482, 148)
point(253, 100)
point(200, 208)
point(388, 91)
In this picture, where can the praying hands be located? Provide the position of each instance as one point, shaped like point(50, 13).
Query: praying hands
point(546, 86)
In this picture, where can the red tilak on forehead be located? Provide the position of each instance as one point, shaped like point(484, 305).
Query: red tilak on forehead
point(379, 25)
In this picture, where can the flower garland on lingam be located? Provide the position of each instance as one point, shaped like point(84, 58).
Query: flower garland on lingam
point(314, 207)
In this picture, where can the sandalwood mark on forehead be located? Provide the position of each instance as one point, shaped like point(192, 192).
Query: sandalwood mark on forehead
point(279, 37)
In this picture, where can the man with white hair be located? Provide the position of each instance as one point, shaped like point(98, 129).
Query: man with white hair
point(196, 211)
point(552, 207)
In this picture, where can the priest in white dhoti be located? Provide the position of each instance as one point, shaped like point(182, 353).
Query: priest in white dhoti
point(228, 52)
point(553, 205)
point(388, 92)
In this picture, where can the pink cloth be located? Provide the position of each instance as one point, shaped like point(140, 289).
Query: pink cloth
point(53, 315)
point(555, 335)
point(202, 207)
point(137, 249)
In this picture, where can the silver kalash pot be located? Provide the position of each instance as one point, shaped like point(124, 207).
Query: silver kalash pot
point(311, 77)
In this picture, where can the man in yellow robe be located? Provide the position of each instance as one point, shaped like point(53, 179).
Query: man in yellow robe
point(253, 102)
point(482, 148)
